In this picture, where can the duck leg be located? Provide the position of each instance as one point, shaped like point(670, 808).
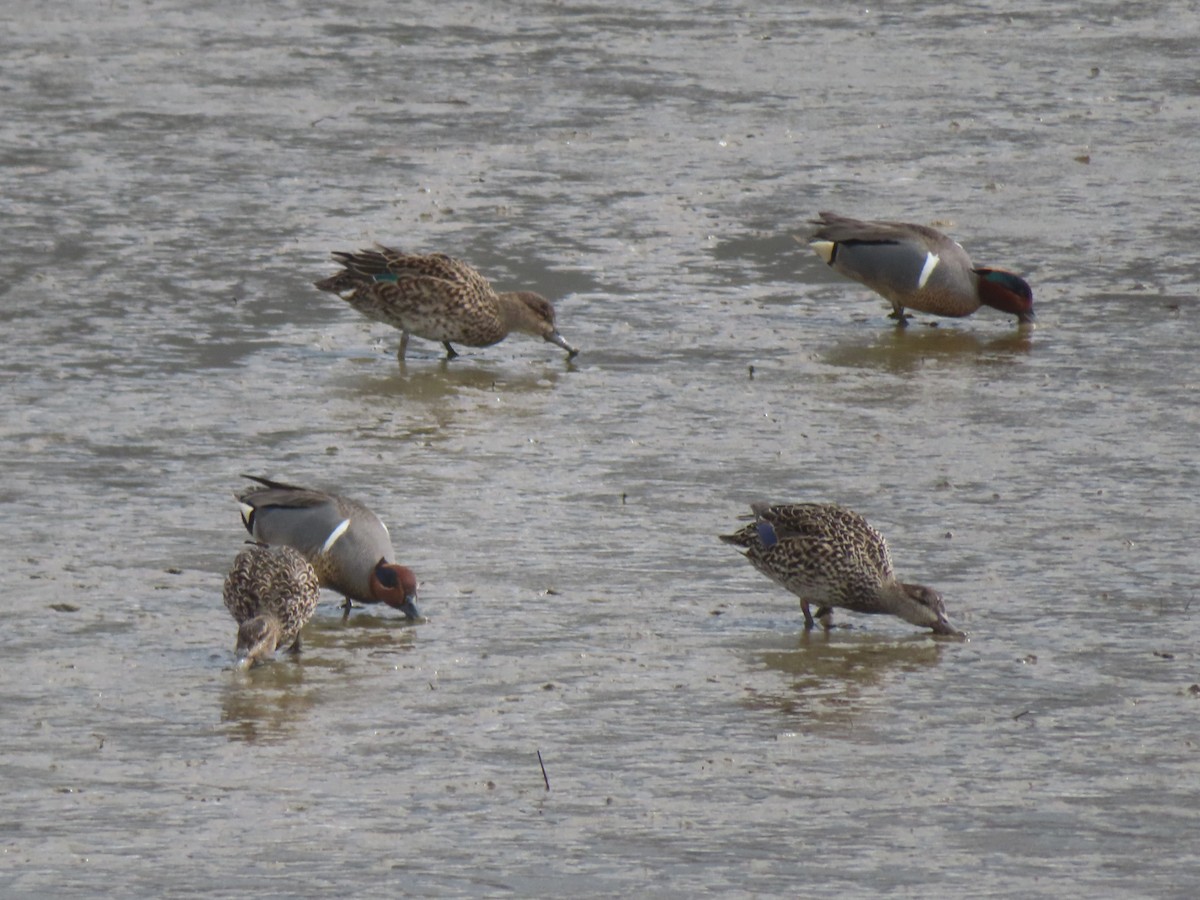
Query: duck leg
point(825, 615)
point(403, 347)
point(450, 351)
point(295, 648)
point(899, 315)
point(345, 609)
point(809, 624)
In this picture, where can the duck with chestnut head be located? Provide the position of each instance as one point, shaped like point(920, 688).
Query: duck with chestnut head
point(917, 267)
point(346, 543)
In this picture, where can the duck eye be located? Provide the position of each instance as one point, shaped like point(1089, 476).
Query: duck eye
point(387, 576)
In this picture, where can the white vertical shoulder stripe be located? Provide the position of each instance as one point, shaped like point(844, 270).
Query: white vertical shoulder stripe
point(931, 263)
point(334, 535)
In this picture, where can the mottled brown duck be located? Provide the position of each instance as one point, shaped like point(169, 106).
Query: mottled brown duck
point(830, 556)
point(271, 592)
point(439, 298)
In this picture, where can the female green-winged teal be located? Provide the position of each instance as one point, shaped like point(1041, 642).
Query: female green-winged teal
point(272, 593)
point(345, 542)
point(438, 298)
point(830, 556)
point(917, 267)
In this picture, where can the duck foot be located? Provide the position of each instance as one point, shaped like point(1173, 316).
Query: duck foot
point(900, 316)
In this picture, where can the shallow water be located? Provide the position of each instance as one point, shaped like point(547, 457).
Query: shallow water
point(174, 178)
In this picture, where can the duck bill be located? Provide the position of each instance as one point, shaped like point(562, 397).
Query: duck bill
point(943, 626)
point(409, 607)
point(555, 338)
point(1026, 318)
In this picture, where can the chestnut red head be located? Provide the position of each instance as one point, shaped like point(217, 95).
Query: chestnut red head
point(1006, 292)
point(396, 586)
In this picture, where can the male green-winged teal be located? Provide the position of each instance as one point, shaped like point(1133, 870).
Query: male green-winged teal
point(439, 298)
point(917, 267)
point(830, 556)
point(272, 593)
point(345, 542)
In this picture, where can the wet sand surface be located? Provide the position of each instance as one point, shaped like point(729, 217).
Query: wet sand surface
point(175, 177)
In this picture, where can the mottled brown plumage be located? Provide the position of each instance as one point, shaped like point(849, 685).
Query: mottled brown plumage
point(437, 297)
point(831, 556)
point(272, 593)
